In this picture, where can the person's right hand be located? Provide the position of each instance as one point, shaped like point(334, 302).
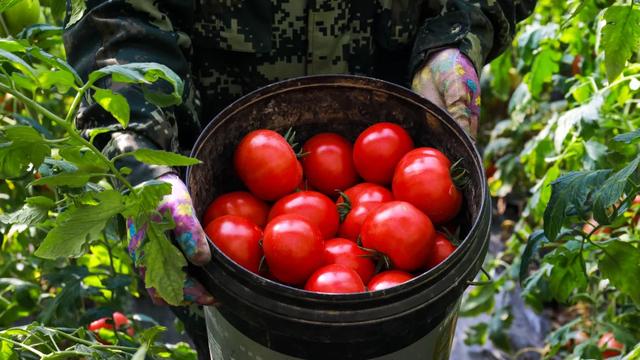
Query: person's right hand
point(188, 234)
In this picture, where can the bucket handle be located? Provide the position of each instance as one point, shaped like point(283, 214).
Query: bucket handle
point(482, 283)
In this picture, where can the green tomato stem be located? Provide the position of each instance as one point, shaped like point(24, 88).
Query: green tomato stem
point(69, 127)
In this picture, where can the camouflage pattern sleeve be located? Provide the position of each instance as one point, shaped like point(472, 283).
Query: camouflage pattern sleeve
point(481, 29)
point(125, 31)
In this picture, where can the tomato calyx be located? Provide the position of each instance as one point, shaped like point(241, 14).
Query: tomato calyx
point(290, 137)
point(459, 175)
point(263, 267)
point(382, 261)
point(344, 207)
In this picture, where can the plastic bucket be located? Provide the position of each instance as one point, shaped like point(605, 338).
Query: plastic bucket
point(261, 319)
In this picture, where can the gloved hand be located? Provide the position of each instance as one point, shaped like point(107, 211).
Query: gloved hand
point(449, 80)
point(188, 234)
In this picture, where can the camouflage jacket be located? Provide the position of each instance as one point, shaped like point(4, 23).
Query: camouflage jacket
point(226, 48)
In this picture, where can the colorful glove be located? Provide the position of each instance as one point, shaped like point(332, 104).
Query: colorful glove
point(449, 80)
point(188, 234)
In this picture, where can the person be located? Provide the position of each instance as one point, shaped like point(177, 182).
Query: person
point(223, 49)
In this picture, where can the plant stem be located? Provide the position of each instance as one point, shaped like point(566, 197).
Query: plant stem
point(73, 133)
point(33, 350)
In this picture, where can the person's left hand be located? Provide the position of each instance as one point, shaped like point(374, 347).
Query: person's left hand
point(449, 80)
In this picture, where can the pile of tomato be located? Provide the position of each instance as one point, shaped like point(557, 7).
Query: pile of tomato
point(330, 217)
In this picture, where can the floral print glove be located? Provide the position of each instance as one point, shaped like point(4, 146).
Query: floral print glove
point(188, 234)
point(449, 80)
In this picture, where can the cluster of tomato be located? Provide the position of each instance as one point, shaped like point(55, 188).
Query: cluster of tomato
point(325, 230)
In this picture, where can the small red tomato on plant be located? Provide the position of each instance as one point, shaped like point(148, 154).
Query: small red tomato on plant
point(238, 238)
point(388, 279)
point(378, 149)
point(118, 319)
point(240, 203)
point(609, 345)
point(314, 206)
point(366, 192)
point(346, 252)
point(267, 165)
point(328, 163)
point(441, 251)
point(423, 179)
point(293, 248)
point(400, 231)
point(352, 223)
point(335, 279)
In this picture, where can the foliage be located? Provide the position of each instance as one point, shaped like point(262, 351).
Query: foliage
point(567, 157)
point(63, 204)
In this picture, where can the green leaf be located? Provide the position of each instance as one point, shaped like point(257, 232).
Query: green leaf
point(27, 215)
point(620, 263)
point(83, 159)
point(54, 62)
point(545, 65)
point(570, 191)
point(629, 137)
point(61, 79)
point(5, 4)
point(480, 299)
point(536, 239)
point(145, 74)
point(18, 63)
point(611, 191)
point(78, 7)
point(498, 328)
point(620, 38)
point(78, 225)
point(70, 180)
point(476, 334)
point(567, 274)
point(40, 201)
point(20, 146)
point(163, 263)
point(115, 104)
point(160, 157)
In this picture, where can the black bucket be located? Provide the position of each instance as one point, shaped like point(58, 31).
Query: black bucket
point(261, 319)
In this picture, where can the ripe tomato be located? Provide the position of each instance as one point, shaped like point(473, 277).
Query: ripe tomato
point(240, 203)
point(328, 163)
point(118, 319)
point(267, 164)
point(378, 149)
point(388, 279)
point(423, 179)
point(238, 238)
point(366, 192)
point(314, 206)
point(350, 227)
point(441, 251)
point(609, 345)
point(400, 231)
point(335, 279)
point(346, 252)
point(293, 248)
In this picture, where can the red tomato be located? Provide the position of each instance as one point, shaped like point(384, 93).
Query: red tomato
point(335, 279)
point(400, 231)
point(378, 149)
point(609, 345)
point(240, 203)
point(423, 179)
point(238, 238)
point(293, 248)
point(441, 251)
point(346, 252)
point(314, 206)
point(350, 227)
point(328, 163)
point(366, 192)
point(118, 319)
point(388, 279)
point(267, 164)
